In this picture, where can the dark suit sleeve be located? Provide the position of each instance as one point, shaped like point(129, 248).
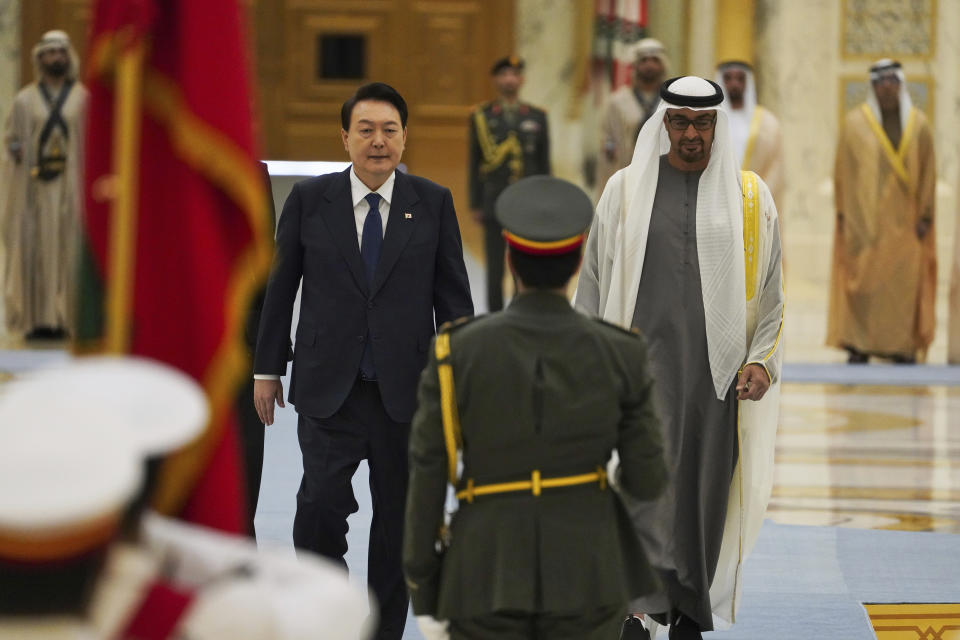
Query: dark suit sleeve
point(473, 176)
point(426, 494)
point(451, 288)
point(273, 339)
point(643, 473)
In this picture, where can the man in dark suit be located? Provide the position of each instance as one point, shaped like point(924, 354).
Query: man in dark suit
point(508, 141)
point(370, 303)
point(535, 398)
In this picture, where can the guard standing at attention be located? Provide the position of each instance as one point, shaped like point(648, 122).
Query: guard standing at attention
point(508, 141)
point(534, 399)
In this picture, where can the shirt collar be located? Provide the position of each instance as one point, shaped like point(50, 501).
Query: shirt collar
point(540, 302)
point(359, 191)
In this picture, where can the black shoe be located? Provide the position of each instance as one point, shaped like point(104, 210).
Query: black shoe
point(683, 628)
point(47, 333)
point(633, 629)
point(857, 357)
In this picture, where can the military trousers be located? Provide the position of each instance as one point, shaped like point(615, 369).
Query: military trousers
point(598, 624)
point(494, 250)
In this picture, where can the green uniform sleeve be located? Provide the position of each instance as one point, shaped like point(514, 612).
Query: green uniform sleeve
point(425, 495)
point(643, 473)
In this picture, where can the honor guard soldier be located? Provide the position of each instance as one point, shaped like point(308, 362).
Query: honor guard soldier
point(63, 492)
point(530, 403)
point(508, 141)
point(142, 575)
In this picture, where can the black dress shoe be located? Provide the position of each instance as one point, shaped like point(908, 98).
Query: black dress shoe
point(856, 357)
point(683, 628)
point(633, 629)
point(47, 333)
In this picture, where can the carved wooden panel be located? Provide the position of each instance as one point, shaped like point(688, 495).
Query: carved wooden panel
point(437, 53)
point(39, 16)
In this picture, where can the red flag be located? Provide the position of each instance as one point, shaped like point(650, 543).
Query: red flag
point(618, 25)
point(176, 236)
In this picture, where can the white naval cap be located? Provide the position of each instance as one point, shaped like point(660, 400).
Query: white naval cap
point(63, 487)
point(162, 407)
point(246, 593)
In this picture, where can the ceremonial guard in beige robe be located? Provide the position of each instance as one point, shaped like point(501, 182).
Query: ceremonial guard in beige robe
point(628, 108)
point(754, 130)
point(40, 179)
point(953, 320)
point(686, 248)
point(883, 286)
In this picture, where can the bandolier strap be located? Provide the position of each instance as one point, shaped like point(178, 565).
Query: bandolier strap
point(494, 155)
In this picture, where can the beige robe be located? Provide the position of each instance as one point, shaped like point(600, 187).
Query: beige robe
point(764, 154)
point(39, 220)
point(953, 319)
point(618, 129)
point(883, 285)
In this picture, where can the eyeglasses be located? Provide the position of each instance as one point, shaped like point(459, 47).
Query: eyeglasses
point(700, 124)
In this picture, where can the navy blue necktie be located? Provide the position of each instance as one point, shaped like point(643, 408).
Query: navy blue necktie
point(370, 243)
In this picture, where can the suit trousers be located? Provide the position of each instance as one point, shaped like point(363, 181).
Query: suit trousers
point(251, 438)
point(332, 448)
point(494, 247)
point(599, 624)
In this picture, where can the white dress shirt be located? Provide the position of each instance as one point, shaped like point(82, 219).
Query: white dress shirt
point(358, 193)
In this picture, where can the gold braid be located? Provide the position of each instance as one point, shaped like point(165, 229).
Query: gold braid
point(495, 154)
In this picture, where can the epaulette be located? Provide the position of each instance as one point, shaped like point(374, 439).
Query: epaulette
point(447, 327)
point(632, 331)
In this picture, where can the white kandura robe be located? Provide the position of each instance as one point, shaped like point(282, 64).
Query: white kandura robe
point(753, 476)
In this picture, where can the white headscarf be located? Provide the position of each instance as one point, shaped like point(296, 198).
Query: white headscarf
point(651, 47)
point(887, 67)
point(56, 39)
point(740, 119)
point(719, 232)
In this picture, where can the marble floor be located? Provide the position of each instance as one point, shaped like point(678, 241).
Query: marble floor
point(872, 457)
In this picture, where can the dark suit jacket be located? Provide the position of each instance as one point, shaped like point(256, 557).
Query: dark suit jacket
point(420, 282)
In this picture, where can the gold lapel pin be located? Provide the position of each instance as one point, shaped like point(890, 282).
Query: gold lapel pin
point(408, 216)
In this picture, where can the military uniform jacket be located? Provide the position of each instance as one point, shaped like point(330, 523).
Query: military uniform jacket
point(504, 147)
point(539, 386)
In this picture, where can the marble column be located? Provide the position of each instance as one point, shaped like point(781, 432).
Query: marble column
point(9, 52)
point(9, 85)
point(546, 31)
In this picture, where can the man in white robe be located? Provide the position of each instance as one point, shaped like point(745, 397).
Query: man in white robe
point(628, 108)
point(40, 177)
point(754, 130)
point(687, 250)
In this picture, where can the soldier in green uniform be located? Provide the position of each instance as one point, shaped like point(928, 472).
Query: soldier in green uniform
point(508, 141)
point(533, 400)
